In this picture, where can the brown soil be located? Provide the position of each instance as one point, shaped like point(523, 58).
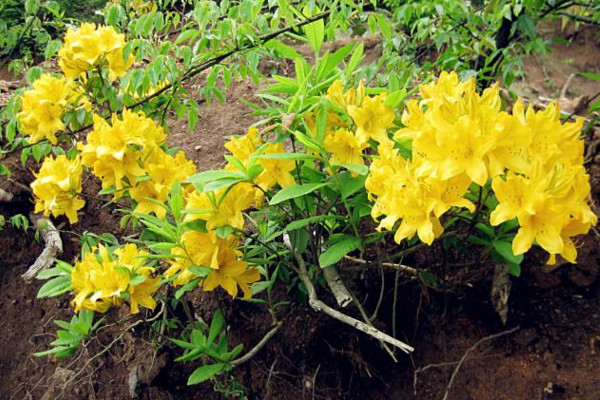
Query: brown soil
point(552, 355)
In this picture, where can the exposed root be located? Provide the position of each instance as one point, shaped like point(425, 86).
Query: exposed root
point(469, 350)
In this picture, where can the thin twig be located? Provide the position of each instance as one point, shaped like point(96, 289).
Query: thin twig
point(258, 347)
point(469, 350)
point(399, 267)
point(381, 293)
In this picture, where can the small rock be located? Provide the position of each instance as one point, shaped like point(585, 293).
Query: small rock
point(198, 148)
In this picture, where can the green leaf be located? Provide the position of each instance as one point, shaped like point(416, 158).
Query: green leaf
point(505, 250)
point(315, 32)
point(338, 250)
point(288, 156)
point(4, 171)
point(55, 287)
point(222, 183)
point(200, 272)
point(356, 58)
point(307, 221)
point(176, 202)
point(188, 35)
point(590, 75)
point(205, 372)
point(186, 288)
point(33, 74)
point(359, 169)
point(216, 326)
point(296, 190)
point(514, 269)
point(214, 175)
point(283, 50)
point(137, 279)
point(350, 184)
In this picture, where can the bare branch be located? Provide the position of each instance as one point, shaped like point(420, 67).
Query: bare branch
point(318, 305)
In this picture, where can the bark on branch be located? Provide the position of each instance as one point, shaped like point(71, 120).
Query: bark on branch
point(53, 246)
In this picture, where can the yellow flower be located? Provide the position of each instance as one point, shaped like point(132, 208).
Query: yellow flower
point(345, 147)
point(141, 295)
point(552, 141)
point(57, 186)
point(221, 207)
point(275, 171)
point(401, 193)
point(163, 171)
point(100, 279)
point(115, 152)
point(199, 249)
point(372, 119)
point(245, 146)
point(96, 278)
point(551, 207)
point(455, 130)
point(42, 108)
point(447, 88)
point(449, 193)
point(232, 272)
point(85, 47)
point(209, 250)
point(130, 257)
point(341, 99)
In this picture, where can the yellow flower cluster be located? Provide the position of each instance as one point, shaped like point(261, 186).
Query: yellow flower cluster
point(43, 106)
point(101, 280)
point(225, 207)
point(126, 154)
point(459, 137)
point(221, 255)
point(275, 171)
point(370, 116)
point(57, 186)
point(88, 45)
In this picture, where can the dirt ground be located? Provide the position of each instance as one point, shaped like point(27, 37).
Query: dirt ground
point(547, 350)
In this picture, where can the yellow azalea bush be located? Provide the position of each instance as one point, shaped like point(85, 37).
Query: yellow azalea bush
point(57, 186)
